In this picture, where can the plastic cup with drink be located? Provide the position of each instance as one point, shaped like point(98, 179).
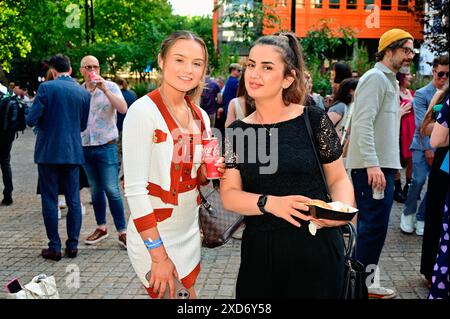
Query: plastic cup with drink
point(377, 192)
point(210, 156)
point(94, 77)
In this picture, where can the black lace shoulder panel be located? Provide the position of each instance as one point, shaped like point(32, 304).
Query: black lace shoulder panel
point(326, 138)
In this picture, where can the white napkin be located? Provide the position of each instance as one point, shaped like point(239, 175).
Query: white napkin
point(312, 228)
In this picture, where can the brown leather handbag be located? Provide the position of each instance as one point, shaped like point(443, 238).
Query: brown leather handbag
point(216, 224)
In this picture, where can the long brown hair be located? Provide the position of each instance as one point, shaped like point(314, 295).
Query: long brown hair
point(429, 117)
point(249, 106)
point(195, 93)
point(291, 53)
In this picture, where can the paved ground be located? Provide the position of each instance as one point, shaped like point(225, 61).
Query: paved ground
point(104, 271)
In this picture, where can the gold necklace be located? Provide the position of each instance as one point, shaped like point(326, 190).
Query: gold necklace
point(268, 130)
point(172, 112)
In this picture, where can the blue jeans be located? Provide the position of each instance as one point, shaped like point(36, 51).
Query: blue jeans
point(51, 177)
point(421, 169)
point(102, 172)
point(373, 216)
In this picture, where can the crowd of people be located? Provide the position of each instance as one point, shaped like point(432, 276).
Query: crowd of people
point(369, 129)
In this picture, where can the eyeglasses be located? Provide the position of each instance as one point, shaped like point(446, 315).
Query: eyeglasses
point(441, 74)
point(408, 51)
point(90, 67)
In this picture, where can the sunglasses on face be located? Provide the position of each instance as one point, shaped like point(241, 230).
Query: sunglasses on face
point(441, 74)
point(91, 67)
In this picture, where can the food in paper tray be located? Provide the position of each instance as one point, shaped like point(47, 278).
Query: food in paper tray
point(334, 210)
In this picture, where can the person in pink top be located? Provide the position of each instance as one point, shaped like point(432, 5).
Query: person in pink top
point(407, 128)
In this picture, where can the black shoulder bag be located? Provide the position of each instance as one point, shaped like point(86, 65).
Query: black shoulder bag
point(354, 273)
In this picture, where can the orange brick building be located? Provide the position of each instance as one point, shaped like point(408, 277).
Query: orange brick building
point(369, 18)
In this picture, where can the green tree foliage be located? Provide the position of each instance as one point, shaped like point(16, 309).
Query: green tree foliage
point(202, 26)
point(319, 45)
point(128, 33)
point(13, 40)
point(435, 20)
point(248, 19)
point(360, 60)
point(322, 41)
point(50, 28)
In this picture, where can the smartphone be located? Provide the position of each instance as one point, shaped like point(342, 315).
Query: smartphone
point(181, 291)
point(13, 286)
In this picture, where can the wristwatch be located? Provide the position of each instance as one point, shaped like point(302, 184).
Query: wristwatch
point(262, 200)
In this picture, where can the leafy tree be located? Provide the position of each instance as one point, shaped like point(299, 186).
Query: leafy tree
point(202, 26)
point(13, 41)
point(248, 19)
point(47, 24)
point(435, 21)
point(130, 20)
point(320, 44)
point(128, 33)
point(360, 61)
point(322, 41)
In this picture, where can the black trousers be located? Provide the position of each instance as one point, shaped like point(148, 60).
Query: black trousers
point(6, 141)
point(436, 192)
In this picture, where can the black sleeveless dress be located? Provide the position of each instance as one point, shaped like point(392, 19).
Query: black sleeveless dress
point(279, 260)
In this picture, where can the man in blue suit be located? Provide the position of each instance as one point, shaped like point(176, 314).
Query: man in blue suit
point(60, 113)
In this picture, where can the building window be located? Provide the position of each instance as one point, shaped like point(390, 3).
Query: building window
point(386, 4)
point(368, 3)
point(300, 4)
point(283, 3)
point(316, 3)
point(352, 5)
point(402, 5)
point(334, 4)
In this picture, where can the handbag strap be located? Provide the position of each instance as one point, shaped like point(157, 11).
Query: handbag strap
point(204, 201)
point(350, 247)
point(202, 197)
point(311, 137)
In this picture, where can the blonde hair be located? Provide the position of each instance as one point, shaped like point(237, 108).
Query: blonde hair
point(195, 93)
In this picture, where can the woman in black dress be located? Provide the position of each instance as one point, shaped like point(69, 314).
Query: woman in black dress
point(280, 258)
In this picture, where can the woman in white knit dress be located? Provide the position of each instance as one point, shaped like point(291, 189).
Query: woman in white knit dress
point(162, 149)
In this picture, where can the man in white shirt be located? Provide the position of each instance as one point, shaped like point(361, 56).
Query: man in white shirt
point(373, 154)
point(100, 150)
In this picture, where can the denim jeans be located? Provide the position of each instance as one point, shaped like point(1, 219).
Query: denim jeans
point(373, 216)
point(421, 169)
point(102, 172)
point(51, 177)
point(6, 141)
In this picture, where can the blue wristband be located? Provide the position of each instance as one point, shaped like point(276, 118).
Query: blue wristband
point(153, 244)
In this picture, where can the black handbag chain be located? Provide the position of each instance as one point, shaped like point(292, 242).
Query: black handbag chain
point(351, 229)
point(311, 137)
point(351, 243)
